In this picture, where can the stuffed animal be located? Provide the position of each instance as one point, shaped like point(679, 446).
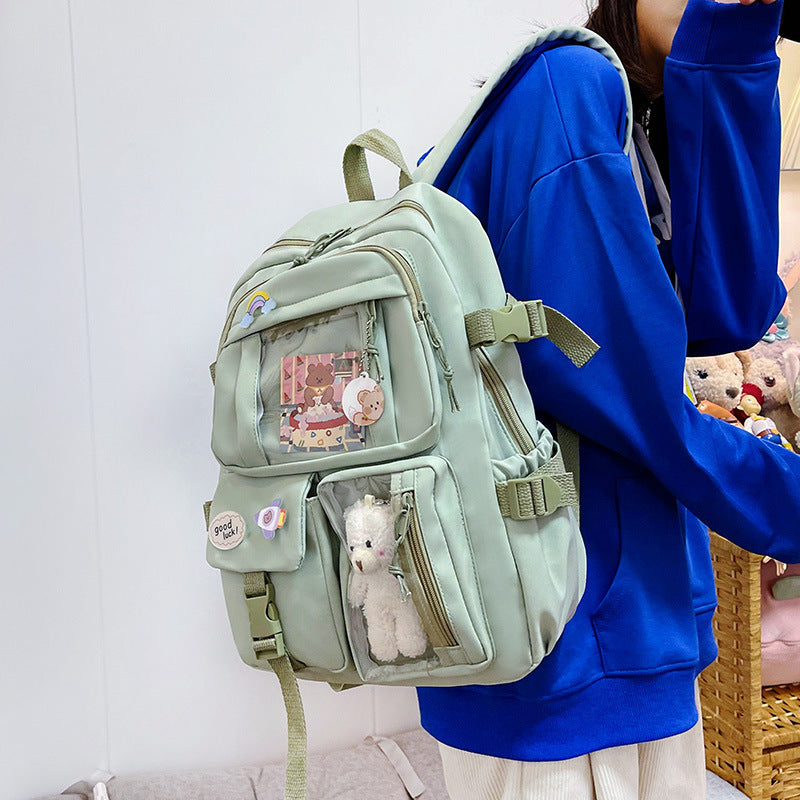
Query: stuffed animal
point(792, 366)
point(713, 410)
point(792, 369)
point(717, 379)
point(765, 365)
point(748, 412)
point(393, 624)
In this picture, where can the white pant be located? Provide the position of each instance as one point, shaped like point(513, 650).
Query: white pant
point(666, 769)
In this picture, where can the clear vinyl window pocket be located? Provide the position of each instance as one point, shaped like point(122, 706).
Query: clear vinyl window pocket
point(329, 388)
point(409, 589)
point(313, 373)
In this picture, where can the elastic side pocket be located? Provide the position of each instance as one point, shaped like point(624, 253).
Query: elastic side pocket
point(548, 550)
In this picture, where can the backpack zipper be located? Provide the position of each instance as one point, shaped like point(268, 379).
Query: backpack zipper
point(309, 243)
point(288, 243)
point(439, 629)
point(419, 309)
point(504, 403)
point(402, 204)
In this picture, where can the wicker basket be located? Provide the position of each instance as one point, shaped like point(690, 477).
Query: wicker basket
point(752, 735)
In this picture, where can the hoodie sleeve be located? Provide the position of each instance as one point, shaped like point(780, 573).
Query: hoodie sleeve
point(582, 243)
point(723, 128)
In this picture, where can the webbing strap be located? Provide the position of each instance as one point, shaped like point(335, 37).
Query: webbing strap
point(640, 138)
point(535, 496)
point(402, 766)
point(569, 444)
point(296, 725)
point(260, 592)
point(354, 164)
point(522, 322)
point(637, 175)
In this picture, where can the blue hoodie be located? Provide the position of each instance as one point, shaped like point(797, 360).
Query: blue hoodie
point(542, 166)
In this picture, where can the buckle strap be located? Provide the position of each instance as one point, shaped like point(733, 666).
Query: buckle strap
point(522, 322)
point(265, 626)
point(267, 633)
point(536, 495)
point(514, 322)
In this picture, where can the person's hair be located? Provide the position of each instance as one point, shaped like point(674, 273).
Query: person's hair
point(615, 21)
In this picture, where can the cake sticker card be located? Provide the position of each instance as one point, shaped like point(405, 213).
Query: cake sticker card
point(312, 418)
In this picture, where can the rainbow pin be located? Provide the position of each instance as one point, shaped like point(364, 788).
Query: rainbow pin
point(260, 303)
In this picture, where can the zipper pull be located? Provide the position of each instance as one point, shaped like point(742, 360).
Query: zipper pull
point(438, 349)
point(405, 592)
point(402, 521)
point(319, 244)
point(370, 350)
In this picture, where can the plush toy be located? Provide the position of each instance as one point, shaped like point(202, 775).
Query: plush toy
point(748, 412)
point(716, 379)
point(792, 366)
point(713, 410)
point(765, 365)
point(393, 624)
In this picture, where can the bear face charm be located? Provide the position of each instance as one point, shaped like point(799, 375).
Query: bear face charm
point(363, 400)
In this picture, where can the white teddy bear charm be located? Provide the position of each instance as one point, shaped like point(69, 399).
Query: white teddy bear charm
point(393, 624)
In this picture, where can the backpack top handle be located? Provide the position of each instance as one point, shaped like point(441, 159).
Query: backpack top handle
point(356, 172)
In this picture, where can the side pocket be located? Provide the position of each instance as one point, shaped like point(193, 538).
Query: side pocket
point(412, 601)
point(309, 600)
point(551, 561)
point(645, 620)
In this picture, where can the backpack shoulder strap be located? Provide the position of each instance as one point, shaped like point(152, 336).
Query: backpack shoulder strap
point(436, 159)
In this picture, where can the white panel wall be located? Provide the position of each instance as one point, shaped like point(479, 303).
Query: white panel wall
point(52, 705)
point(196, 132)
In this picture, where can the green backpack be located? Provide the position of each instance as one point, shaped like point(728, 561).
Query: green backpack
point(389, 509)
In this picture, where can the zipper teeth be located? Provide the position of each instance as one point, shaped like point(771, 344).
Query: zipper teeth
point(305, 242)
point(503, 402)
point(402, 266)
point(288, 243)
point(422, 565)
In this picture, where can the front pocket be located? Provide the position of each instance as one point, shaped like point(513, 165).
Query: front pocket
point(409, 585)
point(645, 620)
point(309, 600)
point(276, 526)
point(281, 394)
point(305, 366)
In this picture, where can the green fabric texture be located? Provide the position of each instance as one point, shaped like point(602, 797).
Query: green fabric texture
point(403, 295)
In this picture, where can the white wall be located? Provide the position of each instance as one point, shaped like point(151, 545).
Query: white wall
point(149, 151)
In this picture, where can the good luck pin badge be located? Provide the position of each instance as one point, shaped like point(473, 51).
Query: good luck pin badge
point(271, 518)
